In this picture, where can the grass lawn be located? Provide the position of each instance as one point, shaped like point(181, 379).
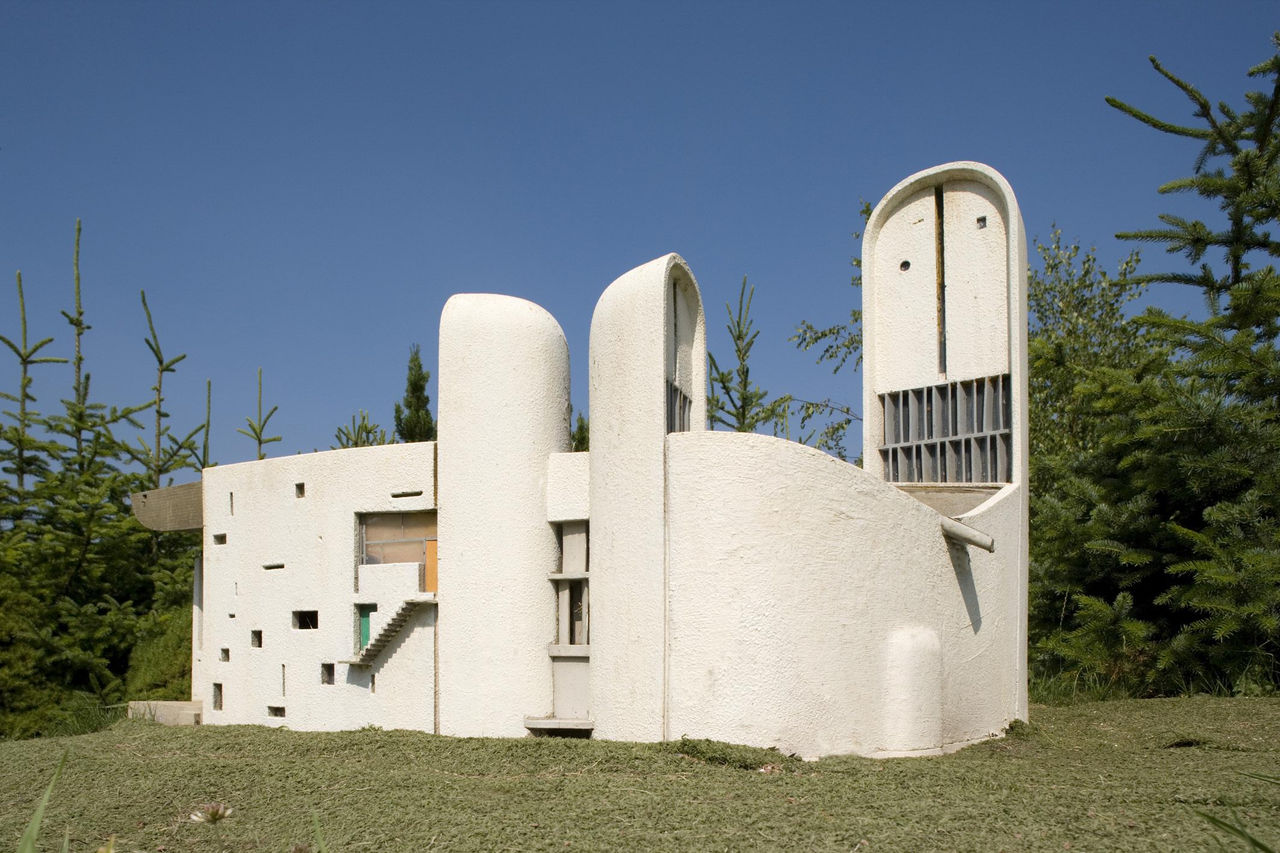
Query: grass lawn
point(1101, 776)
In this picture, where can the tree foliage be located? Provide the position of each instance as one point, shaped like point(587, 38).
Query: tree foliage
point(82, 584)
point(413, 416)
point(361, 433)
point(735, 401)
point(1173, 582)
point(838, 345)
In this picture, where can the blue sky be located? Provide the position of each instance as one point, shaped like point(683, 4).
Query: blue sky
point(301, 186)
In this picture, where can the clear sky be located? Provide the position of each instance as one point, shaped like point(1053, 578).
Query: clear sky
point(300, 186)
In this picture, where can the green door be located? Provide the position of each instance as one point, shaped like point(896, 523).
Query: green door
point(364, 610)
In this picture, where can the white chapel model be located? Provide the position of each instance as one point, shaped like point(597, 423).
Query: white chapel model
point(672, 580)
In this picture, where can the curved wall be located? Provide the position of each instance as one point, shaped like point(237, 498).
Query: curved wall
point(504, 409)
point(814, 608)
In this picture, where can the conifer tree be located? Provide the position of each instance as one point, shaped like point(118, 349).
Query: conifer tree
point(413, 417)
point(736, 402)
point(1178, 504)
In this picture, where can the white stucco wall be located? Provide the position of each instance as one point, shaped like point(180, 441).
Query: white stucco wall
point(255, 506)
point(568, 483)
point(504, 409)
point(813, 606)
point(634, 353)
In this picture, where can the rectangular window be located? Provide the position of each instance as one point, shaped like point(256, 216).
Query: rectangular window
point(306, 620)
point(217, 696)
point(326, 673)
point(219, 539)
point(255, 639)
point(273, 566)
point(275, 710)
point(224, 654)
point(401, 537)
point(679, 409)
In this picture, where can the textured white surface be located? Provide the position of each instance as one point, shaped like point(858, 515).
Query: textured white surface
point(815, 625)
point(314, 537)
point(568, 497)
point(635, 351)
point(504, 409)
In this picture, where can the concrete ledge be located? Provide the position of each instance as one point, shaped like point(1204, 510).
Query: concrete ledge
point(168, 713)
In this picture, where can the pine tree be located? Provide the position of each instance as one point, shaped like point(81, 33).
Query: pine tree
point(413, 417)
point(580, 438)
point(839, 345)
point(1178, 503)
point(735, 401)
point(361, 433)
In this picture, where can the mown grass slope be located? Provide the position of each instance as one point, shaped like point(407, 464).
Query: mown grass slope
point(1100, 776)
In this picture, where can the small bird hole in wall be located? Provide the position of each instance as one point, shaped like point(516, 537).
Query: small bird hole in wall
point(224, 654)
point(275, 710)
point(982, 222)
point(904, 266)
point(255, 639)
point(326, 673)
point(299, 490)
point(219, 539)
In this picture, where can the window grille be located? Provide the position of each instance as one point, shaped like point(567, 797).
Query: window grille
point(956, 432)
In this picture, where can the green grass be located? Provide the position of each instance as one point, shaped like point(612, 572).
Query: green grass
point(1125, 775)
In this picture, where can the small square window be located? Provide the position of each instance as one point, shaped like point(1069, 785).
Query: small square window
point(219, 539)
point(217, 696)
point(275, 710)
point(326, 673)
point(306, 620)
point(255, 639)
point(300, 490)
point(224, 654)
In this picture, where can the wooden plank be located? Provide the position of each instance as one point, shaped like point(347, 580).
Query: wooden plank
point(170, 508)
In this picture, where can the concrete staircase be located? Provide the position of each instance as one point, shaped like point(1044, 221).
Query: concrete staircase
point(389, 631)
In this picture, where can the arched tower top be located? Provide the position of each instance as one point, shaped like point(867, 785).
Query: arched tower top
point(944, 329)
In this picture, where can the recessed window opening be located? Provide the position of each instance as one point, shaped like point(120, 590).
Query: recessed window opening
point(282, 681)
point(306, 620)
point(396, 537)
point(413, 494)
point(231, 502)
point(219, 539)
point(231, 616)
point(954, 432)
point(299, 490)
point(224, 654)
point(578, 613)
point(364, 613)
point(679, 409)
point(255, 639)
point(275, 710)
point(373, 683)
point(326, 673)
point(217, 696)
point(273, 566)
